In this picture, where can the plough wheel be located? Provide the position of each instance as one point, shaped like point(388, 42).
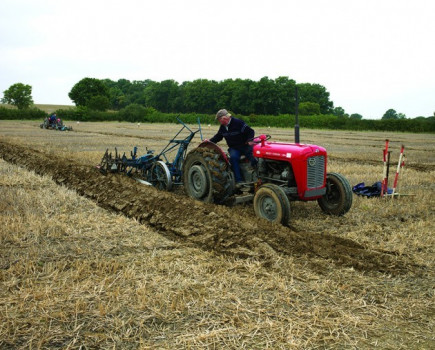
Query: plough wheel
point(160, 176)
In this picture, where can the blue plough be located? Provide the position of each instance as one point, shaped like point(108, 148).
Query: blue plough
point(153, 169)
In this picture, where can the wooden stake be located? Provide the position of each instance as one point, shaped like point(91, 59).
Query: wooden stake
point(399, 165)
point(384, 180)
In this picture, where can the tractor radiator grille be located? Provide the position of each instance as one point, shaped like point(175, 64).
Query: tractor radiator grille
point(315, 171)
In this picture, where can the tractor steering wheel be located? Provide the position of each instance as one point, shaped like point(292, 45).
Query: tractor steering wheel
point(258, 139)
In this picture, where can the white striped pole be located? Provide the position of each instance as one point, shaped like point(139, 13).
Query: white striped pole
point(399, 165)
point(384, 187)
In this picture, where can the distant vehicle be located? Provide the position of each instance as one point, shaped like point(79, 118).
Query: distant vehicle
point(54, 124)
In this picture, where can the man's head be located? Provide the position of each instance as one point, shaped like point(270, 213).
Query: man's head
point(223, 117)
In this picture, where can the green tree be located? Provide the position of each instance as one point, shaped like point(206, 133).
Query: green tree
point(242, 96)
point(390, 114)
point(286, 95)
point(264, 97)
point(136, 91)
point(200, 96)
point(356, 116)
point(316, 93)
point(87, 88)
point(162, 96)
point(135, 113)
point(309, 108)
point(124, 85)
point(19, 95)
point(117, 98)
point(240, 100)
point(225, 92)
point(339, 112)
point(98, 103)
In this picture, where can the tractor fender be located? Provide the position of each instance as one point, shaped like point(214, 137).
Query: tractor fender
point(214, 147)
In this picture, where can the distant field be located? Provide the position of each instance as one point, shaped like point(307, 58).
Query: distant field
point(44, 107)
point(103, 262)
point(52, 108)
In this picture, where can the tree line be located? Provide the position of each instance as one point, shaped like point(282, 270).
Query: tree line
point(241, 96)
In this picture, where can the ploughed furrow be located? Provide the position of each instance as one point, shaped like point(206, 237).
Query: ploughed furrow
point(208, 226)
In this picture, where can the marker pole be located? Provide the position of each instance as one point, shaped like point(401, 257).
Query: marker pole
point(399, 165)
point(384, 181)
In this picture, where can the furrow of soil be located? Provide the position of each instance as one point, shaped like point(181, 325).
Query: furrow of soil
point(211, 227)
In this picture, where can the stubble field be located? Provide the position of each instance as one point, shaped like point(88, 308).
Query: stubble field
point(91, 261)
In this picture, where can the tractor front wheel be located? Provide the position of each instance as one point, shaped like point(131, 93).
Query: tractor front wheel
point(338, 197)
point(271, 203)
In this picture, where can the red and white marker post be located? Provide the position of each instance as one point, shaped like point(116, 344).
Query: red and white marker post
point(384, 187)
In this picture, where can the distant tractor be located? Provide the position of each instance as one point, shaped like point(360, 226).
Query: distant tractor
point(54, 124)
point(285, 172)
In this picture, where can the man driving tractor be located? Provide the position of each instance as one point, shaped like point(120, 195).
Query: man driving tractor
point(238, 135)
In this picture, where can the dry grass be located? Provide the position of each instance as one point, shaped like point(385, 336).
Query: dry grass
point(73, 275)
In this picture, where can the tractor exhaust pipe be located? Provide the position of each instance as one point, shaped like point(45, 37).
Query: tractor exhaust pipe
point(297, 116)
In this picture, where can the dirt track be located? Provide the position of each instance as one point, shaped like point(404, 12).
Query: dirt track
point(210, 227)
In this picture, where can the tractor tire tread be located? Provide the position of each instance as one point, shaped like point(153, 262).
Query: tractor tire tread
point(218, 170)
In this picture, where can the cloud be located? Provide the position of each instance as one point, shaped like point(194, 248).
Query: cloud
point(367, 54)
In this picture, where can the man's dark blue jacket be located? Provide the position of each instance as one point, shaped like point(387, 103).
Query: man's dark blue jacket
point(237, 135)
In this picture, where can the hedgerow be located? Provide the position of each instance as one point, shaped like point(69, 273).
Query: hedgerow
point(136, 113)
point(21, 114)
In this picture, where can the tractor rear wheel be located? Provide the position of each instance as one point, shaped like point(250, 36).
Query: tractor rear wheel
point(206, 176)
point(198, 181)
point(271, 203)
point(338, 197)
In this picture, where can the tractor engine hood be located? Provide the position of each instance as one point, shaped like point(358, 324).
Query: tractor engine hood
point(286, 151)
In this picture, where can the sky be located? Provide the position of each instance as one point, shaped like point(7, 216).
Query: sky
point(370, 55)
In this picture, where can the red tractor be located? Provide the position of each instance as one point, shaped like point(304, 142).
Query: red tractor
point(285, 172)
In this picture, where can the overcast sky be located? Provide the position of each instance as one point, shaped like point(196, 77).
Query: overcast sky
point(371, 55)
